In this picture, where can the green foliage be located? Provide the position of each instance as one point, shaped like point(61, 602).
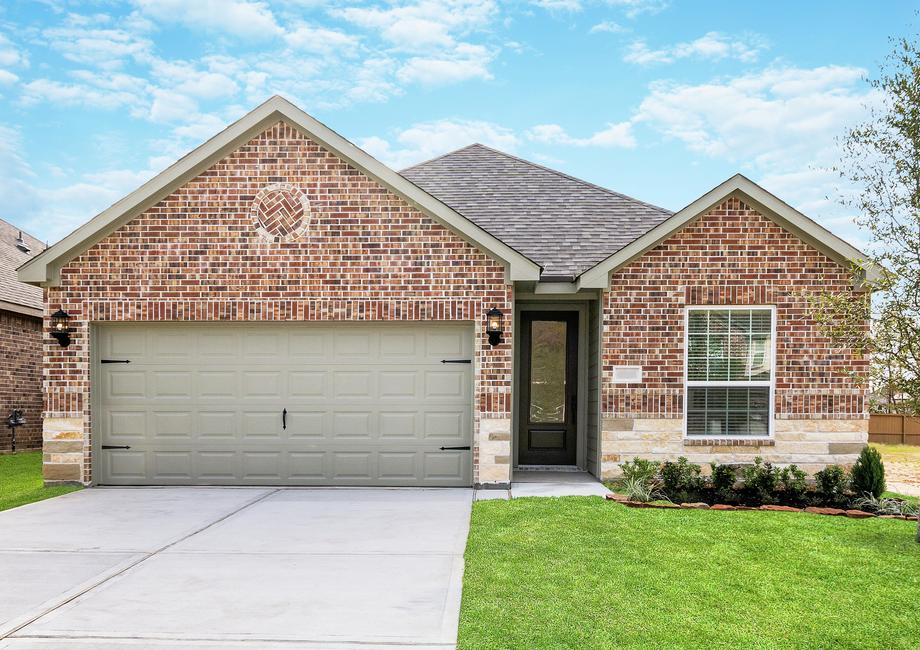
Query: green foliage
point(760, 481)
point(871, 503)
point(723, 481)
point(642, 489)
point(681, 481)
point(639, 469)
point(793, 482)
point(832, 485)
point(868, 473)
point(881, 160)
point(21, 480)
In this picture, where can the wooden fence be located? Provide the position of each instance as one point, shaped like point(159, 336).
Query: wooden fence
point(894, 429)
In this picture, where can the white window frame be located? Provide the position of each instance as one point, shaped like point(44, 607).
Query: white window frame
point(771, 384)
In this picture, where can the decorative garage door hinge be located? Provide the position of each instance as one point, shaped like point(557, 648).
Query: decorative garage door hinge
point(467, 448)
point(116, 446)
point(115, 361)
point(456, 361)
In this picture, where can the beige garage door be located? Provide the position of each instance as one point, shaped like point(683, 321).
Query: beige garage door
point(283, 404)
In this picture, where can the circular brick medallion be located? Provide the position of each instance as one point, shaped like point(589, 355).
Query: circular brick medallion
point(281, 212)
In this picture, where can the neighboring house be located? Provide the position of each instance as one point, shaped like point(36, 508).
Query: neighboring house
point(278, 307)
point(20, 340)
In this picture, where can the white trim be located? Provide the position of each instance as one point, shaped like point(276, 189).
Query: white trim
point(771, 384)
point(20, 309)
point(43, 269)
point(769, 205)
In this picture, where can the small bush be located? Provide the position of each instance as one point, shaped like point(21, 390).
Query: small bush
point(639, 469)
point(868, 473)
point(832, 485)
point(723, 481)
point(760, 481)
point(642, 489)
point(793, 483)
point(681, 481)
point(870, 503)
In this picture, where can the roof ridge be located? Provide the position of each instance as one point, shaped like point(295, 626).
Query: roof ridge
point(568, 176)
point(443, 155)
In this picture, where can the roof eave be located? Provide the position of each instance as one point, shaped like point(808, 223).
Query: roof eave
point(764, 202)
point(44, 269)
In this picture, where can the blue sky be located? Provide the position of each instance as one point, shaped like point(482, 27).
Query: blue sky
point(659, 99)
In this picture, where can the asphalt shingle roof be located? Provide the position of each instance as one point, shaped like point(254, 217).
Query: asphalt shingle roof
point(11, 257)
point(560, 222)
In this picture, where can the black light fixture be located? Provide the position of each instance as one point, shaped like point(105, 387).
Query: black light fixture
point(494, 325)
point(60, 327)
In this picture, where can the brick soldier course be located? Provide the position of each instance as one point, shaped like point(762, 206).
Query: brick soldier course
point(289, 222)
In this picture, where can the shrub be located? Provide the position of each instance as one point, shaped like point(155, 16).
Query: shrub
point(760, 481)
point(639, 469)
point(793, 481)
point(723, 481)
point(681, 481)
point(831, 484)
point(868, 473)
point(642, 489)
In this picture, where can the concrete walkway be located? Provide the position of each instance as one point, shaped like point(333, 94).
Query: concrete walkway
point(234, 567)
point(547, 483)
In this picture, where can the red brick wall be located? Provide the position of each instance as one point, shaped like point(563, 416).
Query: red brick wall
point(197, 255)
point(735, 256)
point(21, 378)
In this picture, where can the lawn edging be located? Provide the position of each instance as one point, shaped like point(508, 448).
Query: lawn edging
point(722, 507)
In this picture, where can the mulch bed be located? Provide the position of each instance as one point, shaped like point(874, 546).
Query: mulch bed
point(833, 512)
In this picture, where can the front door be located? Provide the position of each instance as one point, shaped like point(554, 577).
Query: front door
point(549, 373)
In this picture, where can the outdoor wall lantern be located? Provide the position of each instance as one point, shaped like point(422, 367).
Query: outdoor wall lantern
point(60, 328)
point(494, 326)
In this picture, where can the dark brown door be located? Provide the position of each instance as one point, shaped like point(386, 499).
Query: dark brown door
point(549, 376)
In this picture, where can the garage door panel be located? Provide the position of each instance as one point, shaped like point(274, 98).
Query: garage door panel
point(203, 403)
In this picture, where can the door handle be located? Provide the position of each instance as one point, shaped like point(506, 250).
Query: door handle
point(284, 419)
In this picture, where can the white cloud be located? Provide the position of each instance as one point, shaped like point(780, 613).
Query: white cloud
point(106, 48)
point(609, 27)
point(778, 125)
point(712, 46)
point(7, 77)
point(429, 139)
point(558, 5)
point(322, 41)
point(65, 94)
point(186, 78)
point(236, 17)
point(170, 106)
point(10, 55)
point(617, 135)
point(633, 8)
point(465, 62)
point(422, 24)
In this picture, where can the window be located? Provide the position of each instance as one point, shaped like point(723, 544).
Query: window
point(729, 371)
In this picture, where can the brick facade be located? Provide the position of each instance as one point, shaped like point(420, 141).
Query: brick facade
point(204, 254)
point(21, 378)
point(732, 255)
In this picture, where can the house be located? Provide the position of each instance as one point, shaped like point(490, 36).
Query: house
point(278, 307)
point(20, 341)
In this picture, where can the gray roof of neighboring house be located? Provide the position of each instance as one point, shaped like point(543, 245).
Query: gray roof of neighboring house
point(11, 257)
point(562, 223)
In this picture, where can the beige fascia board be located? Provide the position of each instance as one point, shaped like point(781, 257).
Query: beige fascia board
point(44, 269)
point(20, 309)
point(769, 205)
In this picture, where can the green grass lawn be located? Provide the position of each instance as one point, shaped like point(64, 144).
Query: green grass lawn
point(580, 572)
point(21, 480)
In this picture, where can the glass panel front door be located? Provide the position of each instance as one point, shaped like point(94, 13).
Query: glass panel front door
point(547, 431)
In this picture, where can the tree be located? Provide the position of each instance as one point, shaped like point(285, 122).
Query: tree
point(881, 157)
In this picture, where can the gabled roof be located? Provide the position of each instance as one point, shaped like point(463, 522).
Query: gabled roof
point(758, 198)
point(45, 268)
point(15, 295)
point(565, 224)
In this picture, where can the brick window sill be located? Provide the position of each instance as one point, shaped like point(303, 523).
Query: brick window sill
point(729, 442)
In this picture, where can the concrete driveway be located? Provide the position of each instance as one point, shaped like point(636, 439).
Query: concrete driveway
point(227, 567)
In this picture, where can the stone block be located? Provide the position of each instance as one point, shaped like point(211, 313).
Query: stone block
point(61, 472)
